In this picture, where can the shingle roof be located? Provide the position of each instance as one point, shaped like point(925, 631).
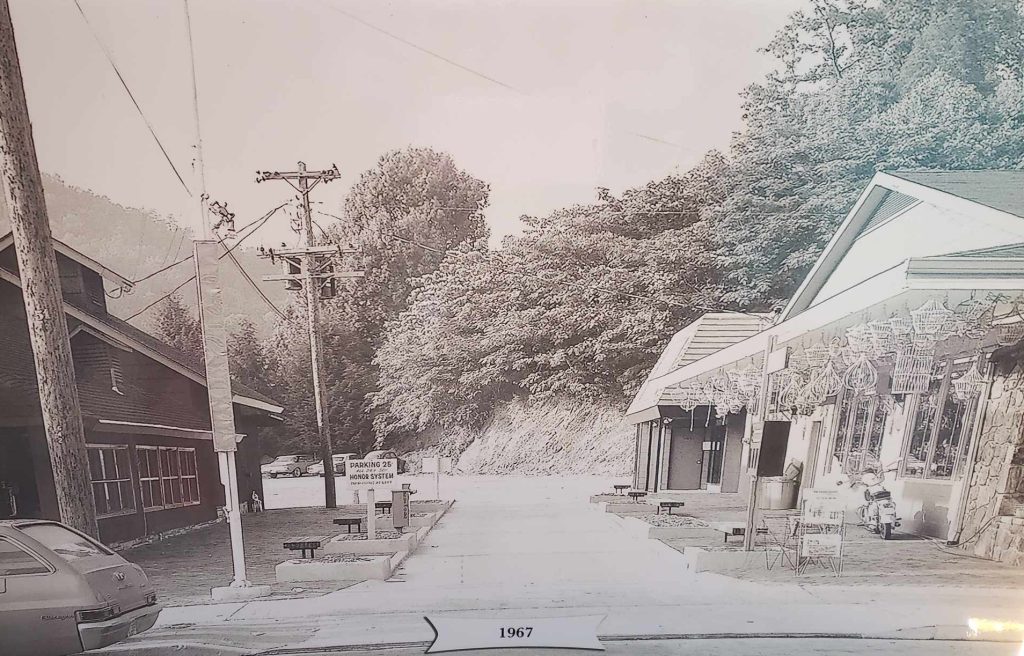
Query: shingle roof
point(708, 334)
point(193, 364)
point(1002, 190)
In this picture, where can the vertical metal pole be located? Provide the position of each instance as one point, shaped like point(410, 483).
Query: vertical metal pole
point(198, 166)
point(312, 289)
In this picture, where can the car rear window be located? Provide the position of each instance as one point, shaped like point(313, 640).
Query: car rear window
point(66, 544)
point(15, 561)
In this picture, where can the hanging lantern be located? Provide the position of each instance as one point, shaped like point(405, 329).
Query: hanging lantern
point(967, 385)
point(1008, 334)
point(933, 319)
point(690, 399)
point(883, 342)
point(790, 393)
point(826, 383)
point(816, 355)
point(973, 318)
point(912, 370)
point(862, 376)
point(859, 338)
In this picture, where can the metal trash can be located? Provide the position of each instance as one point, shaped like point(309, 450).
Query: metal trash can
point(777, 493)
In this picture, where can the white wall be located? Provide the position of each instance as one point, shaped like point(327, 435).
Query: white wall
point(921, 230)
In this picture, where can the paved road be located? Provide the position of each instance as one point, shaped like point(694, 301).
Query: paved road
point(535, 547)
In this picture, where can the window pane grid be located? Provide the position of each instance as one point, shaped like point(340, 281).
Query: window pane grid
point(111, 479)
point(168, 477)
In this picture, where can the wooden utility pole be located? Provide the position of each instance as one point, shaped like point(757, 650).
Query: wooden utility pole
point(40, 284)
point(317, 267)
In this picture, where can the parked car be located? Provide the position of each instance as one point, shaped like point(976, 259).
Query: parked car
point(61, 592)
point(340, 459)
point(386, 454)
point(295, 465)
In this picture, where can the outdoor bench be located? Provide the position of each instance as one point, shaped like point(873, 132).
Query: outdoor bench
point(356, 520)
point(620, 489)
point(384, 505)
point(636, 495)
point(669, 505)
point(730, 529)
point(305, 543)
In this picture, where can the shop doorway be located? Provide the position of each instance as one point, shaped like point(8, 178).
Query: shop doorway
point(713, 449)
point(686, 451)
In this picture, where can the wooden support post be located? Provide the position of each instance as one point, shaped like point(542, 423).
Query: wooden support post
point(44, 304)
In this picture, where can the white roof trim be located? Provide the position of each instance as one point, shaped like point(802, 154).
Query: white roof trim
point(94, 323)
point(850, 229)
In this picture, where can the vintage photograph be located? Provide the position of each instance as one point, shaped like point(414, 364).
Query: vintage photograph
point(640, 326)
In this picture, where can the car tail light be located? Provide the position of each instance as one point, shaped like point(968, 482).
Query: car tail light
point(150, 598)
point(103, 614)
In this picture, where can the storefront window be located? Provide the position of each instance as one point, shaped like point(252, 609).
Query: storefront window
point(858, 440)
point(941, 431)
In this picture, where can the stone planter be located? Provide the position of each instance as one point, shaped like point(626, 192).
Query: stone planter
point(429, 519)
point(338, 544)
point(624, 508)
point(368, 567)
point(698, 560)
point(430, 506)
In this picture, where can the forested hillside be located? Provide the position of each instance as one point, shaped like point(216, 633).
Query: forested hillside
point(135, 243)
point(579, 306)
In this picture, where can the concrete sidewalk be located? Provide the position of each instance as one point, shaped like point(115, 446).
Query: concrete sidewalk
point(532, 547)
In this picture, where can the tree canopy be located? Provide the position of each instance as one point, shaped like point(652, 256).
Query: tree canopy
point(581, 304)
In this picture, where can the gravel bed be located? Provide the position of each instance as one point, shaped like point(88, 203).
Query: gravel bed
point(343, 558)
point(381, 535)
point(664, 519)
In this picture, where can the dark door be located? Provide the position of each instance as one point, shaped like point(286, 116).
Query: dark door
point(713, 446)
point(686, 453)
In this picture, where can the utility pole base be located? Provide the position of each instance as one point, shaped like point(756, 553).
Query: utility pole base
point(240, 592)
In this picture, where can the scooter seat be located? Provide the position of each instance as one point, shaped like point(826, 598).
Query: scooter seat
point(880, 494)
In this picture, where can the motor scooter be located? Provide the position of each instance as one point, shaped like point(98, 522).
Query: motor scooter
point(878, 514)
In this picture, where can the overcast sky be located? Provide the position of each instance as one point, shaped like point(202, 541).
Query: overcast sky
point(581, 94)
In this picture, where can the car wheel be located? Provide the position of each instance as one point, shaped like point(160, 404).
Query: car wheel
point(273, 476)
point(296, 472)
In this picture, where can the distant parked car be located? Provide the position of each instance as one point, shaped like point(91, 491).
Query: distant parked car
point(295, 465)
point(61, 592)
point(386, 454)
point(317, 468)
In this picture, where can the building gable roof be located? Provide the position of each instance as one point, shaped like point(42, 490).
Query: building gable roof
point(7, 240)
point(122, 331)
point(997, 196)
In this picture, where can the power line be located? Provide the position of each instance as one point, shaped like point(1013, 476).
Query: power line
point(262, 220)
point(135, 102)
point(253, 284)
point(431, 53)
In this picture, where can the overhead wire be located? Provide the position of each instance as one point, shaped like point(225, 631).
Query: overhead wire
point(260, 221)
point(131, 96)
point(426, 51)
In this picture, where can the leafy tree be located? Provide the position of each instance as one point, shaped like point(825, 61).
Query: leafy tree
point(176, 325)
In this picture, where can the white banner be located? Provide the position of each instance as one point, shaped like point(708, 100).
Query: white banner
point(462, 633)
point(372, 473)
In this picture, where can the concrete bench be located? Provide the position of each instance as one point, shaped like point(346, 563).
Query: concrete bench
point(305, 543)
point(356, 521)
point(669, 505)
